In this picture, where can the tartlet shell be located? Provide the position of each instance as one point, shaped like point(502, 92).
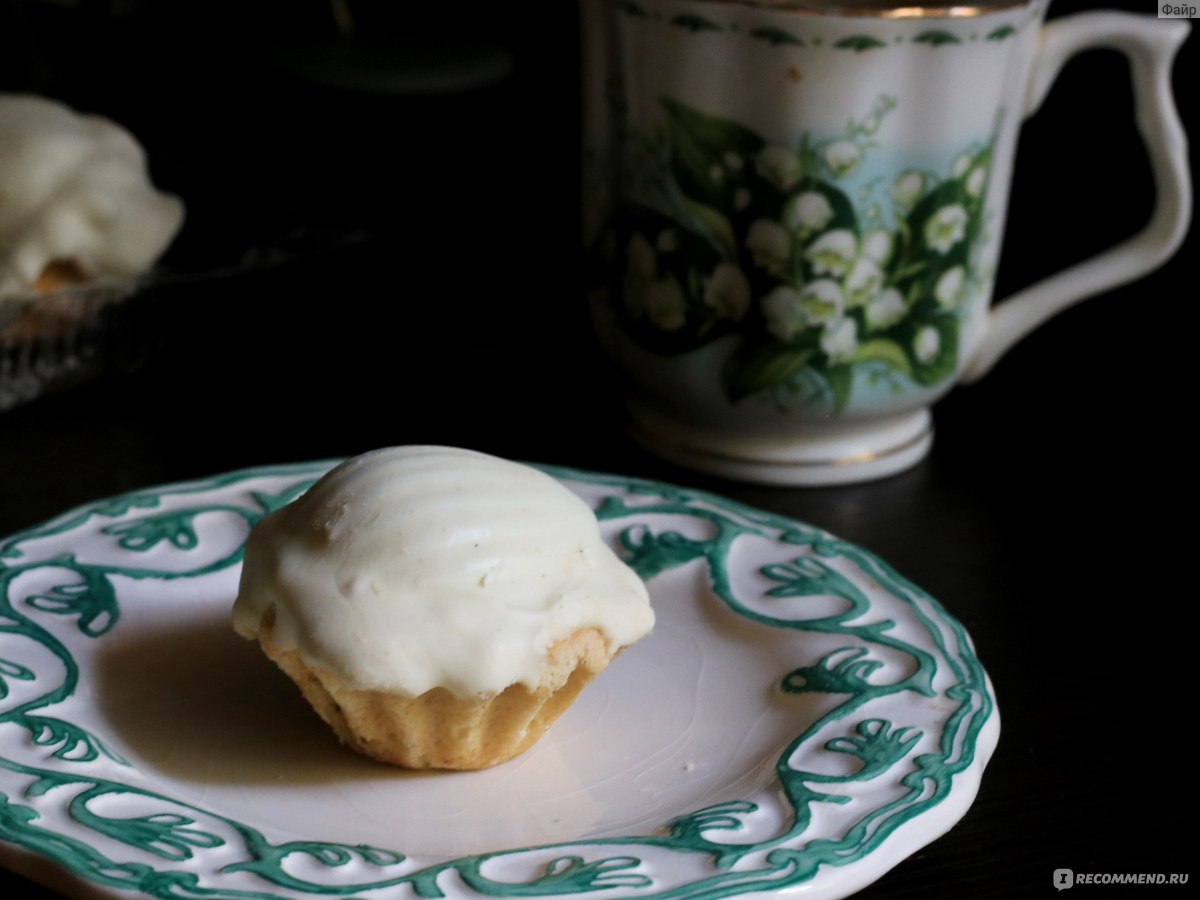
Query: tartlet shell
point(437, 729)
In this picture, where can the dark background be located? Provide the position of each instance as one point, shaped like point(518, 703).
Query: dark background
point(363, 267)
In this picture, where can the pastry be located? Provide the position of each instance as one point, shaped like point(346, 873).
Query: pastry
point(80, 225)
point(438, 607)
point(76, 202)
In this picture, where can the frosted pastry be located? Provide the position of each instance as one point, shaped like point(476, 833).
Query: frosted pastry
point(76, 202)
point(438, 607)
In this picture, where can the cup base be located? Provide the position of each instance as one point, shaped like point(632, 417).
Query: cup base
point(827, 455)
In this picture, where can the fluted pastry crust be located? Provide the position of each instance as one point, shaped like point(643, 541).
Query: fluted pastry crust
point(438, 730)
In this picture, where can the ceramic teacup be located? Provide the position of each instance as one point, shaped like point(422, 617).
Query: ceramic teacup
point(794, 210)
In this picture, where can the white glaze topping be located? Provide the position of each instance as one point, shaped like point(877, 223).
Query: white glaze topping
point(413, 567)
point(75, 188)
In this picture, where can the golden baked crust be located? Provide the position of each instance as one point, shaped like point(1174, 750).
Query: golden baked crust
point(438, 730)
point(59, 274)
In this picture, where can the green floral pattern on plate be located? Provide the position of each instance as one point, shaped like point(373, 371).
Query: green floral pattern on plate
point(70, 798)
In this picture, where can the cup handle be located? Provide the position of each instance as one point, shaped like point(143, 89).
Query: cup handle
point(1150, 45)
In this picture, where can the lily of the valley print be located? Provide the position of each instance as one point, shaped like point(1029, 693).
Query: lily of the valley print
point(731, 233)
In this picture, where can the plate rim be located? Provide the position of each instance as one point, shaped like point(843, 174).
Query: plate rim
point(963, 785)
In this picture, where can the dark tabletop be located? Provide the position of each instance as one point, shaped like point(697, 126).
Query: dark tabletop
point(427, 292)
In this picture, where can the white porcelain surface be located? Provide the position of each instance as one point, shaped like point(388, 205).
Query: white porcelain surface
point(115, 644)
point(794, 215)
point(854, 452)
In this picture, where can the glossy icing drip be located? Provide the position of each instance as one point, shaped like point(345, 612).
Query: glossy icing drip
point(76, 193)
point(413, 567)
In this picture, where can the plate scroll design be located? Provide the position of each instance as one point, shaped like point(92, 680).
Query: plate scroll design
point(851, 778)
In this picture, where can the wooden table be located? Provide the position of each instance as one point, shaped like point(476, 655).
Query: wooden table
point(1053, 518)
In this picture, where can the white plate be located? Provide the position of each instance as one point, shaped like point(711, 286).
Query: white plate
point(801, 719)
